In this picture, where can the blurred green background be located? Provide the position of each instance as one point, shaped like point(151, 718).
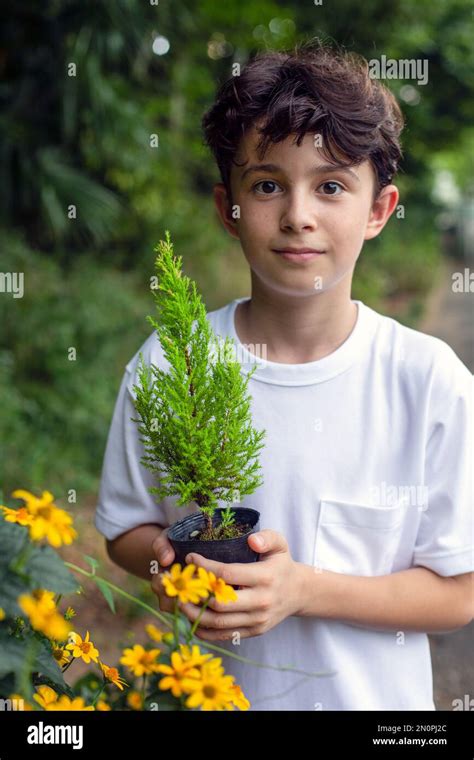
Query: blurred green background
point(143, 69)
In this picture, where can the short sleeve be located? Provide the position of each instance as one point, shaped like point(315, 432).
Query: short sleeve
point(124, 501)
point(445, 540)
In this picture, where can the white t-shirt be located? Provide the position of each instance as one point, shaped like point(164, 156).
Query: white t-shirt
point(367, 471)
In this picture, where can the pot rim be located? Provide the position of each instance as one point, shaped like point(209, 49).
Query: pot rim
point(219, 541)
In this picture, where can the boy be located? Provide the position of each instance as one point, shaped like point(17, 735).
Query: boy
point(366, 506)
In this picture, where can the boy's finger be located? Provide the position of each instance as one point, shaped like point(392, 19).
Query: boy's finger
point(165, 603)
point(163, 550)
point(165, 556)
point(234, 574)
point(247, 601)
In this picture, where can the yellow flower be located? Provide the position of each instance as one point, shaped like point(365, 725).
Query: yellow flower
point(175, 673)
point(140, 661)
point(112, 675)
point(182, 584)
point(53, 524)
point(45, 696)
point(46, 598)
point(135, 700)
point(43, 615)
point(84, 649)
point(193, 656)
point(239, 699)
point(70, 613)
point(216, 664)
point(60, 655)
point(20, 516)
point(19, 698)
point(31, 500)
point(217, 587)
point(2, 614)
point(153, 632)
point(65, 703)
point(212, 691)
point(102, 705)
point(47, 520)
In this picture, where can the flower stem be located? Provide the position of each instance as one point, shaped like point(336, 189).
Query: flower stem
point(99, 693)
point(196, 622)
point(162, 618)
point(68, 665)
point(176, 621)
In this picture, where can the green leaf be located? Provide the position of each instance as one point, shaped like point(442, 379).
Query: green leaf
point(23, 677)
point(107, 593)
point(26, 655)
point(12, 539)
point(184, 625)
point(12, 654)
point(92, 562)
point(47, 665)
point(7, 686)
point(47, 570)
point(11, 587)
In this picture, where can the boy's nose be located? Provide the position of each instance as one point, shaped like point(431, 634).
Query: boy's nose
point(298, 216)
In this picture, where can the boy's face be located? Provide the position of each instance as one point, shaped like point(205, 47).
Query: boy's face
point(304, 203)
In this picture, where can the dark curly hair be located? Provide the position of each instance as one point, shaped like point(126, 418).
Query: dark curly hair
point(317, 89)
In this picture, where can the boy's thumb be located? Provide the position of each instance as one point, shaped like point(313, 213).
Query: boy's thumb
point(165, 556)
point(258, 541)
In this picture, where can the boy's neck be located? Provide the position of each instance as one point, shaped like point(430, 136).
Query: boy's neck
point(296, 331)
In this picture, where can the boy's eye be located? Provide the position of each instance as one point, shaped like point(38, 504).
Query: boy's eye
point(265, 182)
point(332, 188)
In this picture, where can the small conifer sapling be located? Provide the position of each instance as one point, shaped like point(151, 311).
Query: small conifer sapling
point(195, 419)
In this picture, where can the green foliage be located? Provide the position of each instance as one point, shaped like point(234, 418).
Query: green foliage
point(227, 517)
point(24, 568)
point(26, 647)
point(194, 419)
point(41, 568)
point(107, 593)
point(396, 263)
point(86, 141)
point(25, 655)
point(55, 424)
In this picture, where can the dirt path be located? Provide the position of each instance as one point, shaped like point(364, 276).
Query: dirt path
point(450, 316)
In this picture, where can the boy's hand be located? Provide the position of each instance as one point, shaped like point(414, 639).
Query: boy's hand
point(272, 591)
point(165, 555)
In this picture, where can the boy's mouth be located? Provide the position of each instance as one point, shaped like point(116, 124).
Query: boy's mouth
point(298, 254)
point(292, 249)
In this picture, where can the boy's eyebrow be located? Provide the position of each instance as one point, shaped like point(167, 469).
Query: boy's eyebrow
point(321, 169)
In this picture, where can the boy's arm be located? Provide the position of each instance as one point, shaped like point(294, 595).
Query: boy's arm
point(416, 599)
point(133, 550)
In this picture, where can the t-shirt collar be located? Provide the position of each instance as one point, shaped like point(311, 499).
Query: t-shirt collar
point(355, 347)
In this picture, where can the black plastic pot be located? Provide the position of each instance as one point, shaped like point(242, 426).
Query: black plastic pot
point(225, 550)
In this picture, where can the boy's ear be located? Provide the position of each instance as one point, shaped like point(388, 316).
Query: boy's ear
point(381, 211)
point(224, 209)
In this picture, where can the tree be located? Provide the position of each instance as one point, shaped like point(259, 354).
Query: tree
point(195, 419)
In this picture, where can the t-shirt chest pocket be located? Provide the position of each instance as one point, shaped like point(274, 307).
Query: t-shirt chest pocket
point(357, 539)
